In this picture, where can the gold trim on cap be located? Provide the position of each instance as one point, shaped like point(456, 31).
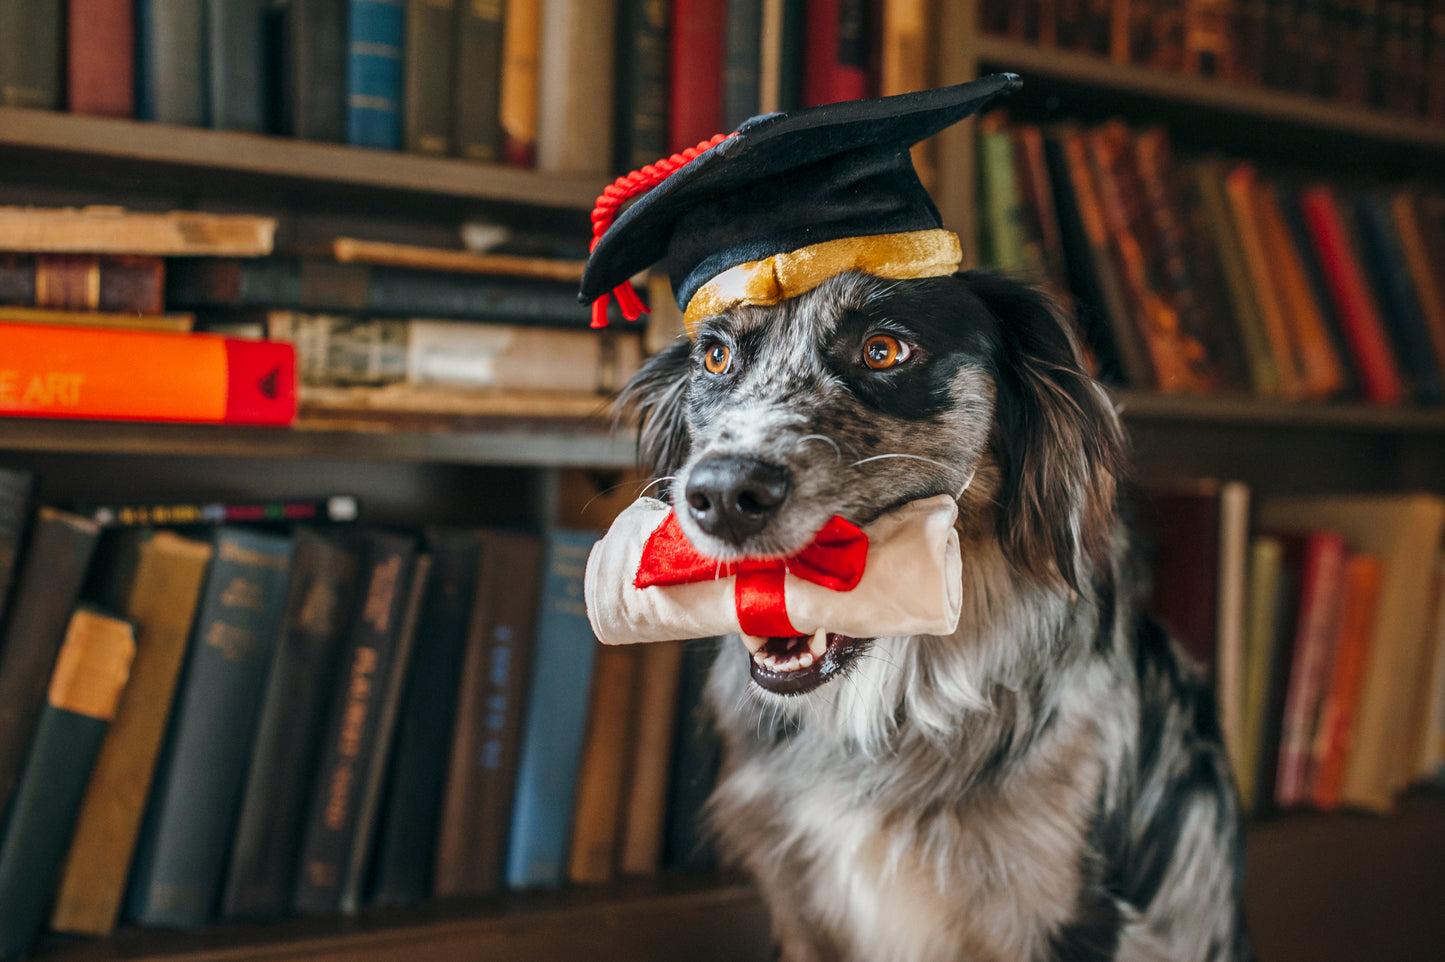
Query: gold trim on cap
point(912, 254)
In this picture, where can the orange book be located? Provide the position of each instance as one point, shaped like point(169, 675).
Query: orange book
point(70, 372)
point(1363, 575)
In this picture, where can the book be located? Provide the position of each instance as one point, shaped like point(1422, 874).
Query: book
point(1403, 531)
point(554, 720)
point(337, 508)
point(350, 746)
point(474, 92)
point(406, 842)
point(1384, 262)
point(161, 603)
point(1320, 561)
point(100, 58)
point(171, 323)
point(1427, 276)
point(640, 134)
point(375, 44)
point(742, 62)
point(575, 87)
point(694, 109)
point(1379, 373)
point(1432, 743)
point(644, 807)
point(603, 767)
point(1330, 750)
point(476, 814)
point(90, 673)
point(355, 881)
point(427, 117)
point(903, 65)
point(310, 284)
point(117, 231)
point(351, 250)
point(313, 69)
point(15, 490)
point(47, 586)
point(1002, 243)
point(66, 372)
point(1262, 610)
point(32, 39)
point(835, 51)
point(342, 351)
point(517, 103)
point(780, 86)
point(171, 62)
point(294, 706)
point(82, 282)
point(185, 839)
point(696, 759)
point(236, 64)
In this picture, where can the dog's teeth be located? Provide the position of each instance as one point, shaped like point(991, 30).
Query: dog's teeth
point(805, 660)
point(761, 659)
point(754, 644)
point(818, 644)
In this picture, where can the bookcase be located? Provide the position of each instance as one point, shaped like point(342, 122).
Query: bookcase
point(502, 468)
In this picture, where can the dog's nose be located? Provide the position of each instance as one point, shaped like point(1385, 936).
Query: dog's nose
point(734, 498)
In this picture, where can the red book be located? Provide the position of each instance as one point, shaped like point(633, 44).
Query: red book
point(72, 372)
point(100, 58)
point(1354, 303)
point(835, 51)
point(1331, 750)
point(695, 106)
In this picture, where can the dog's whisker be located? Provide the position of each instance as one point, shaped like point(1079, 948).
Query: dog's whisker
point(910, 457)
point(821, 437)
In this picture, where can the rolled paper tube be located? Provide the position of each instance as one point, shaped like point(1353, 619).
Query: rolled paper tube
point(912, 583)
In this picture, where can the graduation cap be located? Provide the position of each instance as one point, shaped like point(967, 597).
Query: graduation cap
point(783, 203)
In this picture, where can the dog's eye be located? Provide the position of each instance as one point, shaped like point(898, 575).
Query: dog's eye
point(882, 351)
point(717, 359)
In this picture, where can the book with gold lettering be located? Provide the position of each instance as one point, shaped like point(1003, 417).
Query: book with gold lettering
point(350, 740)
point(90, 674)
point(180, 861)
point(70, 372)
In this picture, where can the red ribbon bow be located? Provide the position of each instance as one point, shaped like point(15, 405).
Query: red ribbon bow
point(834, 559)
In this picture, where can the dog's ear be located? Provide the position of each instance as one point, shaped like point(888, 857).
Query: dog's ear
point(654, 399)
point(1060, 445)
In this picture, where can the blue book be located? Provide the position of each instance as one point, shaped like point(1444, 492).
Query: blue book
point(554, 719)
point(376, 37)
point(177, 877)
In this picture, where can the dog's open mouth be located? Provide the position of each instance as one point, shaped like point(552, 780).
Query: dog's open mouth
point(800, 663)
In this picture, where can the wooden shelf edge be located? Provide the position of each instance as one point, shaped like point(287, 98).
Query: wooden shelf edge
point(1143, 406)
point(1260, 102)
point(265, 156)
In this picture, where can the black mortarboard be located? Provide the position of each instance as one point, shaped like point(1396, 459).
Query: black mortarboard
point(811, 181)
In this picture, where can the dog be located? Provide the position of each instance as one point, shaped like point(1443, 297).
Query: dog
point(1049, 781)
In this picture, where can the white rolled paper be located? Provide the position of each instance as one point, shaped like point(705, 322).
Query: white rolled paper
point(912, 583)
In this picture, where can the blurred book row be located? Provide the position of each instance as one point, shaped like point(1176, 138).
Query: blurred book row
point(1388, 55)
point(1322, 618)
point(1206, 276)
point(222, 720)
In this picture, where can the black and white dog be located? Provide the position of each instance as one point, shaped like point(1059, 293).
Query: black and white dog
point(1046, 783)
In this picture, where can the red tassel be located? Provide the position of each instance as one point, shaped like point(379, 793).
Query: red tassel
point(613, 197)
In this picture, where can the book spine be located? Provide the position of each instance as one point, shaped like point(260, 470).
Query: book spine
point(236, 48)
point(171, 81)
point(477, 90)
point(313, 70)
point(90, 282)
point(46, 588)
point(427, 85)
point(835, 52)
point(695, 110)
point(349, 740)
point(742, 64)
point(162, 603)
point(15, 489)
point(696, 758)
point(554, 723)
point(642, 98)
point(32, 39)
point(376, 35)
point(100, 58)
point(407, 838)
point(1385, 264)
point(1363, 575)
point(90, 673)
point(180, 861)
point(576, 87)
point(476, 813)
point(603, 769)
point(145, 376)
point(293, 711)
point(517, 106)
point(645, 807)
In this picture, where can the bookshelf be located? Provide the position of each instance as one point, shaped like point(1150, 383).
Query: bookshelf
point(500, 467)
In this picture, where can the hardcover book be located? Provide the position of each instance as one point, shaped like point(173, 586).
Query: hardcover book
point(314, 69)
point(237, 64)
point(375, 45)
point(427, 82)
point(15, 490)
point(172, 83)
point(604, 767)
point(100, 58)
point(475, 93)
point(517, 109)
point(32, 41)
point(575, 88)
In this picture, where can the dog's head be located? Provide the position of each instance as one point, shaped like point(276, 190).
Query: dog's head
point(864, 394)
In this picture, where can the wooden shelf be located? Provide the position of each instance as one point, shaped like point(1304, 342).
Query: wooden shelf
point(51, 148)
point(1141, 407)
